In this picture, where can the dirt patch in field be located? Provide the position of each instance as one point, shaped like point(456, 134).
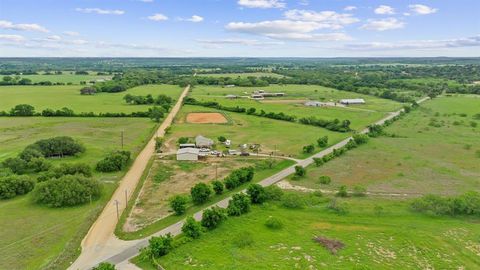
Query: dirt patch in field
point(331, 244)
point(206, 118)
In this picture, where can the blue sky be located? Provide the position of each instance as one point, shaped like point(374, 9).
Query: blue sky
point(268, 28)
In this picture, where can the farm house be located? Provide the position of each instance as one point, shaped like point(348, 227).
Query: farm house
point(188, 154)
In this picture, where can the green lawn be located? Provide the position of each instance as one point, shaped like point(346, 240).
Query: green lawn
point(66, 78)
point(33, 236)
point(360, 115)
point(287, 138)
point(56, 97)
point(422, 159)
point(377, 234)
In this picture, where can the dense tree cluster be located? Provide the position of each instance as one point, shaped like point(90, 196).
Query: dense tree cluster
point(161, 100)
point(54, 147)
point(333, 125)
point(29, 110)
point(68, 190)
point(115, 161)
point(15, 185)
point(238, 177)
point(466, 204)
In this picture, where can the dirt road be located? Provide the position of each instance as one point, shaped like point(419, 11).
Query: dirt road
point(100, 240)
point(122, 251)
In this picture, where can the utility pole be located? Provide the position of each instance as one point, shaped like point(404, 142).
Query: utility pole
point(116, 204)
point(126, 198)
point(216, 171)
point(122, 139)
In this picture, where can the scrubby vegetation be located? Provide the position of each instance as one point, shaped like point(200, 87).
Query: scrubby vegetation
point(115, 161)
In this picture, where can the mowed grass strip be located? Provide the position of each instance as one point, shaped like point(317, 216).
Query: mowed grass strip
point(32, 235)
point(377, 234)
point(437, 150)
point(59, 96)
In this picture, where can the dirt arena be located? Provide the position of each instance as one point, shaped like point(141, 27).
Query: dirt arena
point(206, 118)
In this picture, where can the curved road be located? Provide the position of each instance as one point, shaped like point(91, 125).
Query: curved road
point(122, 251)
point(100, 240)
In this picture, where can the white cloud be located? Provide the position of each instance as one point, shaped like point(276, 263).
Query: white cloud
point(262, 3)
point(12, 38)
point(417, 44)
point(23, 26)
point(384, 10)
point(329, 19)
point(71, 33)
point(350, 8)
point(422, 9)
point(245, 42)
point(383, 24)
point(194, 18)
point(101, 11)
point(158, 17)
point(311, 37)
point(304, 2)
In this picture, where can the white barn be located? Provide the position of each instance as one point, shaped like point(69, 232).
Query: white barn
point(188, 154)
point(352, 101)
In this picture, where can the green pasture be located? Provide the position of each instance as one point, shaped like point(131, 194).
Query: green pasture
point(67, 78)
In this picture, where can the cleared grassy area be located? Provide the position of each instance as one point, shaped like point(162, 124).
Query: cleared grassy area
point(33, 236)
point(243, 75)
point(292, 104)
point(422, 159)
point(56, 97)
point(287, 138)
point(377, 234)
point(66, 78)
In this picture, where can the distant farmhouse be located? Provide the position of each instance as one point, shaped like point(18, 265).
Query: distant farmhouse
point(261, 94)
point(315, 104)
point(231, 96)
point(188, 154)
point(203, 142)
point(352, 101)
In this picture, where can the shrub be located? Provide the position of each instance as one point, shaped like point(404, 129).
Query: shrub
point(342, 191)
point(57, 146)
point(212, 217)
point(68, 190)
point(273, 193)
point(323, 141)
point(466, 204)
point(160, 246)
point(238, 205)
point(71, 169)
point(318, 162)
point(192, 228)
point(104, 266)
point(324, 180)
point(217, 187)
point(293, 201)
point(359, 191)
point(273, 223)
point(221, 139)
point(239, 177)
point(20, 166)
point(115, 161)
point(309, 148)
point(340, 209)
point(158, 143)
point(257, 193)
point(179, 204)
point(300, 171)
point(182, 140)
point(243, 239)
point(14, 185)
point(360, 138)
point(200, 193)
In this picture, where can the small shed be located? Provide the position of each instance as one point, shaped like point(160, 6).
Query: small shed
point(203, 142)
point(231, 96)
point(188, 154)
point(187, 145)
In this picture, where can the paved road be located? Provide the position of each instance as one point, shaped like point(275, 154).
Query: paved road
point(130, 249)
point(100, 241)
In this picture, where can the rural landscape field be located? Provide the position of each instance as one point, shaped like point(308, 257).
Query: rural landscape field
point(239, 135)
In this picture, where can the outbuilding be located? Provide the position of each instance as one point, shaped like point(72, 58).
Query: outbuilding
point(188, 154)
point(352, 101)
point(203, 142)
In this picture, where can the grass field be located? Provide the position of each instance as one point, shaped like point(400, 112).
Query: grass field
point(377, 234)
point(56, 97)
point(66, 78)
point(360, 115)
point(287, 138)
point(243, 75)
point(33, 235)
point(423, 159)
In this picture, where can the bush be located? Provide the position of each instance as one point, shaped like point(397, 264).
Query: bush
point(217, 187)
point(309, 148)
point(72, 169)
point(238, 205)
point(340, 209)
point(20, 166)
point(257, 193)
point(57, 147)
point(273, 193)
point(359, 191)
point(323, 141)
point(342, 191)
point(360, 138)
point(221, 139)
point(243, 239)
point(104, 266)
point(68, 190)
point(158, 143)
point(182, 140)
point(115, 161)
point(318, 162)
point(238, 177)
point(179, 204)
point(192, 228)
point(212, 217)
point(466, 204)
point(273, 223)
point(200, 193)
point(14, 185)
point(300, 171)
point(324, 180)
point(160, 246)
point(293, 201)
